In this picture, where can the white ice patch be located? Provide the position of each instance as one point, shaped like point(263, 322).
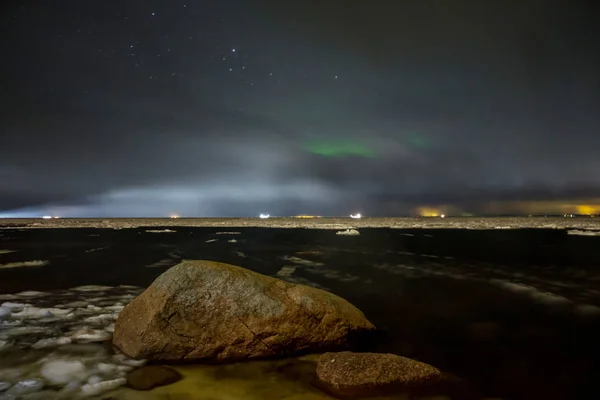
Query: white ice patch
point(25, 330)
point(90, 335)
point(49, 343)
point(286, 271)
point(229, 233)
point(6, 251)
point(348, 232)
point(37, 313)
point(26, 386)
point(535, 294)
point(160, 231)
point(91, 288)
point(211, 240)
point(102, 318)
point(583, 232)
point(31, 293)
point(20, 264)
point(130, 362)
point(60, 372)
point(302, 261)
point(95, 389)
point(232, 241)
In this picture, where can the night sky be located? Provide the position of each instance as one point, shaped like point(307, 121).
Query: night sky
point(238, 107)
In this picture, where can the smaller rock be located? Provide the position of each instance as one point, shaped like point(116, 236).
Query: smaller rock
point(372, 374)
point(4, 386)
point(151, 376)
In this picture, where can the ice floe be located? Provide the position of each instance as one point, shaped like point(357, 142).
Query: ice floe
point(286, 271)
point(302, 261)
point(348, 232)
point(93, 389)
point(21, 264)
point(583, 232)
point(59, 372)
point(160, 231)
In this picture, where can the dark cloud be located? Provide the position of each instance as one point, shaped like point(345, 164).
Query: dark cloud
point(207, 109)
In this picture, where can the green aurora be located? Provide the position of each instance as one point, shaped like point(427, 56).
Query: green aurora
point(336, 149)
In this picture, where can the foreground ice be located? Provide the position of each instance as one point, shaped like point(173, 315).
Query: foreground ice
point(52, 345)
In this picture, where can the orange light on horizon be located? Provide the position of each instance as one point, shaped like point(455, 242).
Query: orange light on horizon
point(428, 212)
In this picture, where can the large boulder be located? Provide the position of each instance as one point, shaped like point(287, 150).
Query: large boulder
point(210, 311)
point(347, 374)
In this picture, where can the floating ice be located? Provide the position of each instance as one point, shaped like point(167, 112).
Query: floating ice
point(583, 232)
point(14, 306)
point(95, 389)
point(20, 264)
point(229, 233)
point(60, 372)
point(211, 240)
point(25, 330)
point(90, 335)
point(94, 379)
point(4, 386)
point(73, 304)
point(26, 386)
point(160, 231)
point(91, 288)
point(106, 368)
point(124, 360)
point(302, 261)
point(232, 241)
point(286, 271)
point(36, 313)
point(31, 293)
point(4, 313)
point(102, 318)
point(51, 342)
point(348, 232)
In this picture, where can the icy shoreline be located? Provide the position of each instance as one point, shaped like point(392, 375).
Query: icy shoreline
point(333, 223)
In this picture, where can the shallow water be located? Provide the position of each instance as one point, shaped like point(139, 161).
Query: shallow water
point(516, 313)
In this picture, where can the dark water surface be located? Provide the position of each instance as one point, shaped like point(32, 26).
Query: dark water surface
point(515, 312)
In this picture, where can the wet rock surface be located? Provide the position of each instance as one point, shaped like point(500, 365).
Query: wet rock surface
point(209, 311)
point(374, 374)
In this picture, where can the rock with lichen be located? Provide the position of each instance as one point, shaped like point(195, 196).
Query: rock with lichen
point(210, 311)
